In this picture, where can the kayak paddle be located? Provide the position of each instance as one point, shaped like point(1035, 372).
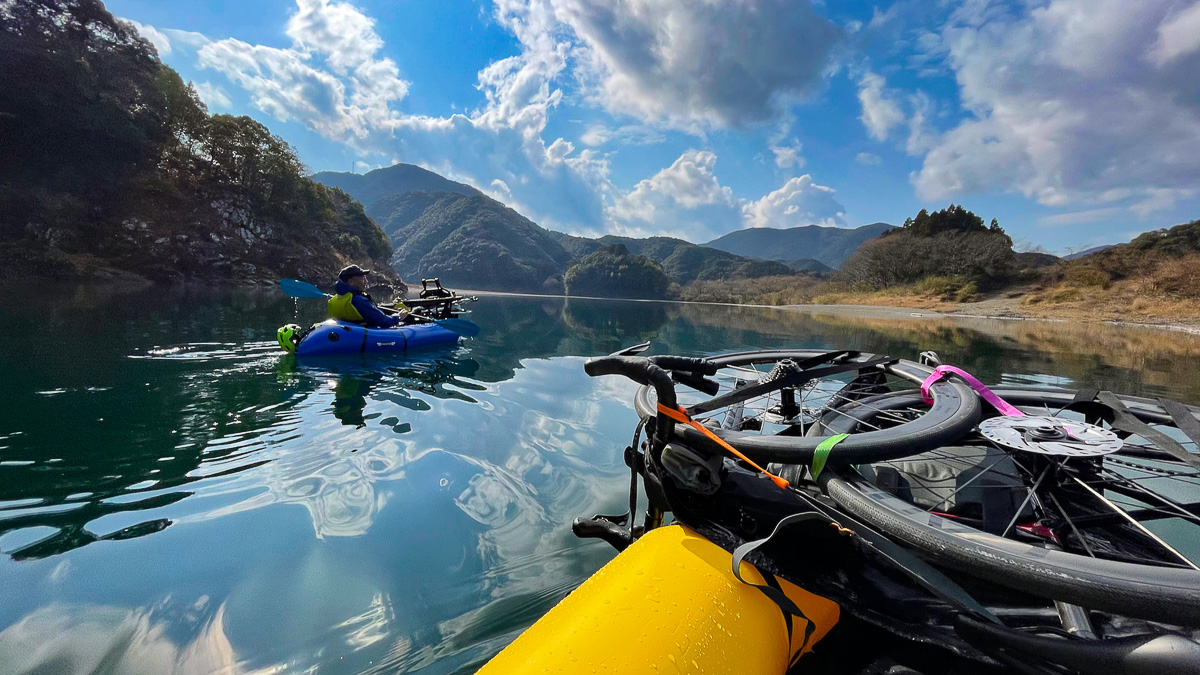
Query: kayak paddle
point(303, 289)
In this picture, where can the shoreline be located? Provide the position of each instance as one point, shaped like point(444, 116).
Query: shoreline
point(881, 311)
point(893, 312)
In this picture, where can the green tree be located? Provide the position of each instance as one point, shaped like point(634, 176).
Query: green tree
point(952, 242)
point(612, 271)
point(953, 218)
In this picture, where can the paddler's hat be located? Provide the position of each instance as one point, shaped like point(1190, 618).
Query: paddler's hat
point(351, 272)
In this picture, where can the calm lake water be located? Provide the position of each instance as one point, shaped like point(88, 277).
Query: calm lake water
point(178, 496)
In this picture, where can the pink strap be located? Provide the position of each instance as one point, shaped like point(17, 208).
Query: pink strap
point(986, 394)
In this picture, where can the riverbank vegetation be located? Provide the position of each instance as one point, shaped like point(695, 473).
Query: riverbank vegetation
point(113, 167)
point(950, 261)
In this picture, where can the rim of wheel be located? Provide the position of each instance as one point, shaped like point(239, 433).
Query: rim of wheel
point(954, 412)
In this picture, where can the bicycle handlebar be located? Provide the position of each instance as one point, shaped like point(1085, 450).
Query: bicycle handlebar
point(637, 368)
point(652, 371)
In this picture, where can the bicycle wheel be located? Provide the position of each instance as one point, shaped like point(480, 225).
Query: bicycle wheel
point(766, 402)
point(1111, 528)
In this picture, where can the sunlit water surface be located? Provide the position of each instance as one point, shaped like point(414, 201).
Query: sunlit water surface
point(178, 496)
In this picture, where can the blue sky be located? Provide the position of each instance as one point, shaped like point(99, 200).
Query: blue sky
point(1075, 122)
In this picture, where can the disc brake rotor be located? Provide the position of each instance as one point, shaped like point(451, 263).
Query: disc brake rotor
point(1050, 436)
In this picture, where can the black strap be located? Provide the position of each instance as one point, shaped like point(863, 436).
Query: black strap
point(1184, 420)
point(907, 562)
point(793, 379)
point(1123, 420)
point(773, 591)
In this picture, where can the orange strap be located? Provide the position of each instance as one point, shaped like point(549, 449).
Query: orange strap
point(680, 415)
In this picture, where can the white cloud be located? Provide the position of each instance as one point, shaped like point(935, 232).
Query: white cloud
point(336, 30)
point(330, 79)
point(788, 156)
point(1160, 199)
point(596, 134)
point(1178, 35)
point(213, 96)
point(1067, 104)
point(156, 37)
point(629, 134)
point(879, 112)
point(868, 158)
point(283, 84)
point(696, 65)
point(185, 38)
point(799, 202)
point(1082, 217)
point(686, 200)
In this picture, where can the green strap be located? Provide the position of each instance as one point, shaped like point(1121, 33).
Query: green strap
point(821, 454)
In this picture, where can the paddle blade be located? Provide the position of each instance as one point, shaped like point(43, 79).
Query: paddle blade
point(631, 351)
point(300, 289)
point(461, 326)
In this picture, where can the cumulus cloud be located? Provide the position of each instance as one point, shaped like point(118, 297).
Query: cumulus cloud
point(330, 79)
point(868, 158)
point(695, 65)
point(788, 156)
point(283, 84)
point(1071, 101)
point(686, 200)
point(879, 112)
point(799, 202)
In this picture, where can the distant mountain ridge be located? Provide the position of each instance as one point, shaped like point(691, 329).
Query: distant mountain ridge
point(1086, 252)
point(830, 246)
point(455, 232)
point(683, 261)
point(373, 186)
point(470, 240)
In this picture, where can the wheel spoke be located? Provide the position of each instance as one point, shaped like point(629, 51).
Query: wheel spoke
point(1135, 523)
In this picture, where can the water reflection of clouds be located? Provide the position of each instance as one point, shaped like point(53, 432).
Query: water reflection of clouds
point(81, 639)
point(545, 446)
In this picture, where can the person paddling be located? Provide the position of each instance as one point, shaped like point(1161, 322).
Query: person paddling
point(351, 302)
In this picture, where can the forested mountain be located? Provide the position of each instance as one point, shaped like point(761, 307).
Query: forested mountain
point(829, 245)
point(110, 165)
point(809, 265)
point(614, 271)
point(683, 261)
point(474, 241)
point(952, 245)
point(373, 186)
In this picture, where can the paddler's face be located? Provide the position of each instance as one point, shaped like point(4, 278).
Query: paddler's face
point(359, 282)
